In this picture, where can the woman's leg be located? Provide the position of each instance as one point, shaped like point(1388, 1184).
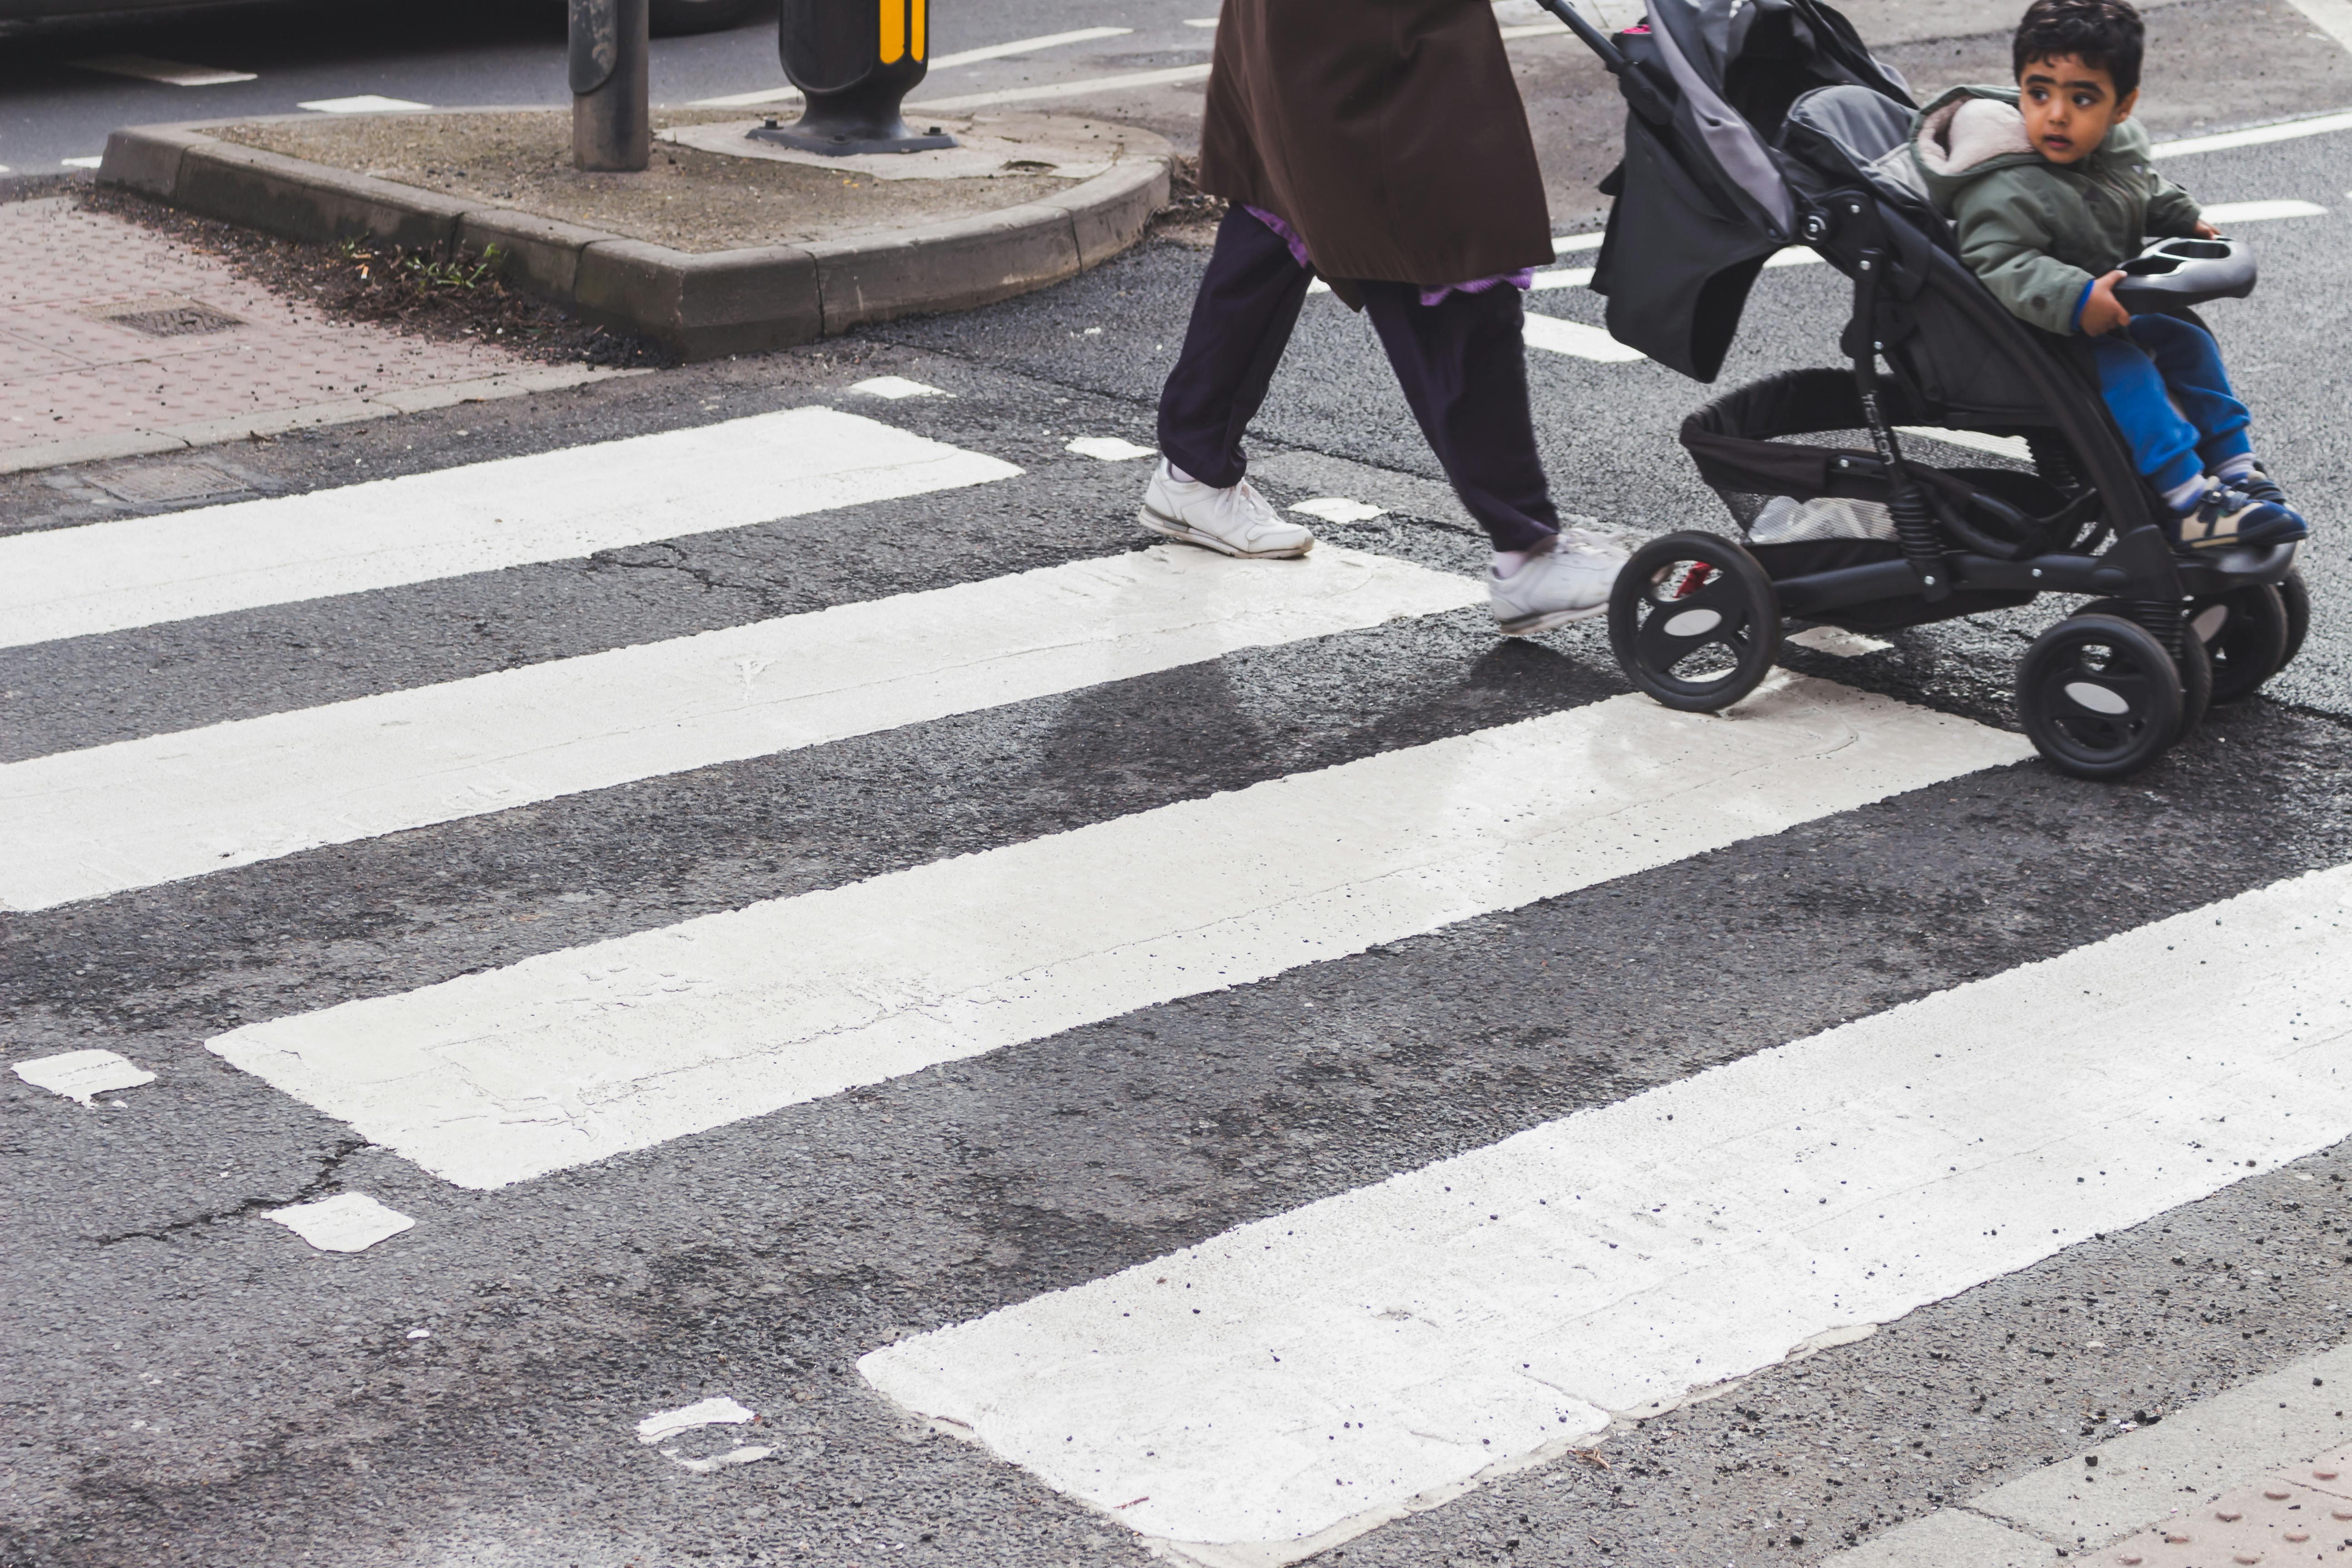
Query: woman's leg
point(1464, 368)
point(1242, 319)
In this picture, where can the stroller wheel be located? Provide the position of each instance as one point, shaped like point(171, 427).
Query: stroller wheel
point(2099, 696)
point(2245, 630)
point(1695, 621)
point(2297, 599)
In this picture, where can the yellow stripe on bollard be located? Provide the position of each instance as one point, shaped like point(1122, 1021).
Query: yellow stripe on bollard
point(921, 49)
point(894, 30)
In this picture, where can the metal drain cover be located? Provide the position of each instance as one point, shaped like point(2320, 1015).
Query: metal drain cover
point(167, 317)
point(155, 483)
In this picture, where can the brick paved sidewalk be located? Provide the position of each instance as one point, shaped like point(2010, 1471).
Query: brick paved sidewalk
point(116, 340)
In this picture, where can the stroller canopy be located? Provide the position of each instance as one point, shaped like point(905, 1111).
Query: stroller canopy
point(1702, 197)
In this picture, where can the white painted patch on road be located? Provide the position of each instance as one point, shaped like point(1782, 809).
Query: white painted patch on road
point(1108, 449)
point(92, 161)
point(83, 1075)
point(1085, 87)
point(1555, 278)
point(1838, 641)
point(895, 388)
point(79, 825)
point(363, 103)
point(572, 1056)
point(2256, 136)
point(348, 1222)
point(715, 1412)
point(171, 73)
point(1339, 508)
point(1554, 335)
point(1301, 1378)
point(2012, 446)
point(550, 506)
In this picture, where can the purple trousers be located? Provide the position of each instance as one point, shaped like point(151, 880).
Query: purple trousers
point(1461, 363)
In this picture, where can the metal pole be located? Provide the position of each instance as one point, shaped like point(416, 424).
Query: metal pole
point(612, 117)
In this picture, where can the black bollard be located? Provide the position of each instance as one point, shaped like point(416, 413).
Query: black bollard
point(612, 119)
point(853, 60)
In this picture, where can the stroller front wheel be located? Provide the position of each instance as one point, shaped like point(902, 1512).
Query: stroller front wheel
point(2100, 697)
point(1695, 621)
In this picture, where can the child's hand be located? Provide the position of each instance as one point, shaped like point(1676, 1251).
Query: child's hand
point(2103, 312)
point(2207, 231)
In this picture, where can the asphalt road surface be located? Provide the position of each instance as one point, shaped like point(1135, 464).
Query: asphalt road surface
point(854, 1010)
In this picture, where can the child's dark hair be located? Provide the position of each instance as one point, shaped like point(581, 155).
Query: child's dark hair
point(2105, 35)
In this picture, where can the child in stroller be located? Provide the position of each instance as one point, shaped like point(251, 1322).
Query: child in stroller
point(2049, 188)
point(1754, 125)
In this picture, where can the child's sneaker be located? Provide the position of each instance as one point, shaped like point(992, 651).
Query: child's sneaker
point(2224, 517)
point(2259, 485)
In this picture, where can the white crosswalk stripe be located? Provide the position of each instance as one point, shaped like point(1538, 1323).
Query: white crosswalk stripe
point(1320, 1369)
point(578, 1056)
point(79, 825)
point(104, 577)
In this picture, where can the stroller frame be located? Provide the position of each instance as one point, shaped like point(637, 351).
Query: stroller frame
point(2101, 695)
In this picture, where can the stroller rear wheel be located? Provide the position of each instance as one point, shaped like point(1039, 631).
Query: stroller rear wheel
point(2099, 696)
point(2297, 599)
point(2245, 630)
point(1695, 621)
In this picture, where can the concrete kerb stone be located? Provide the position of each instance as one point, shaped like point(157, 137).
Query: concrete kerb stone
point(702, 305)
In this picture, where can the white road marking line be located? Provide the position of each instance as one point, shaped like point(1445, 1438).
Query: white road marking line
point(2258, 136)
point(1339, 508)
point(2012, 446)
point(1565, 243)
point(1082, 88)
point(1554, 335)
point(81, 824)
point(1200, 21)
point(897, 387)
point(83, 1075)
point(572, 1057)
point(1838, 641)
point(778, 95)
point(171, 73)
point(1108, 449)
point(1534, 30)
point(1400, 1338)
point(364, 103)
point(2260, 212)
point(551, 506)
point(92, 161)
point(1026, 46)
point(348, 1222)
point(1560, 278)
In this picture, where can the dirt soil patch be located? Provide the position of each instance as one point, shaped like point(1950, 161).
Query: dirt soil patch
point(429, 295)
point(689, 200)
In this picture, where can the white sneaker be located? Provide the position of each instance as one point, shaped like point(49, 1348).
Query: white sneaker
point(1570, 582)
point(1234, 522)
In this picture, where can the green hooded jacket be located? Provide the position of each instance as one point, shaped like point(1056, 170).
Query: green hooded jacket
point(2038, 233)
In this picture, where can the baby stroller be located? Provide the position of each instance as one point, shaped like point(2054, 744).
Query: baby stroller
point(1756, 124)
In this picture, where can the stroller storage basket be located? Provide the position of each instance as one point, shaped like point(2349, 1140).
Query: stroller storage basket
point(1807, 509)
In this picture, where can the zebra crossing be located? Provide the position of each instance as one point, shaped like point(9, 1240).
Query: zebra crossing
point(1287, 1383)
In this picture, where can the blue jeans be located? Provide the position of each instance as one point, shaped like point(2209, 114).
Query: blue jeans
point(2163, 381)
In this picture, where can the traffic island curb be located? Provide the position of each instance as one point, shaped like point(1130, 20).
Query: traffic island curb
point(701, 306)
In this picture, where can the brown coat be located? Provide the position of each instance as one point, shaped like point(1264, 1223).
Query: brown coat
point(1389, 133)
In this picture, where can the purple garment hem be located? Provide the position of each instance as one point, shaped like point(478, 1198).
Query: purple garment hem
point(1524, 278)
